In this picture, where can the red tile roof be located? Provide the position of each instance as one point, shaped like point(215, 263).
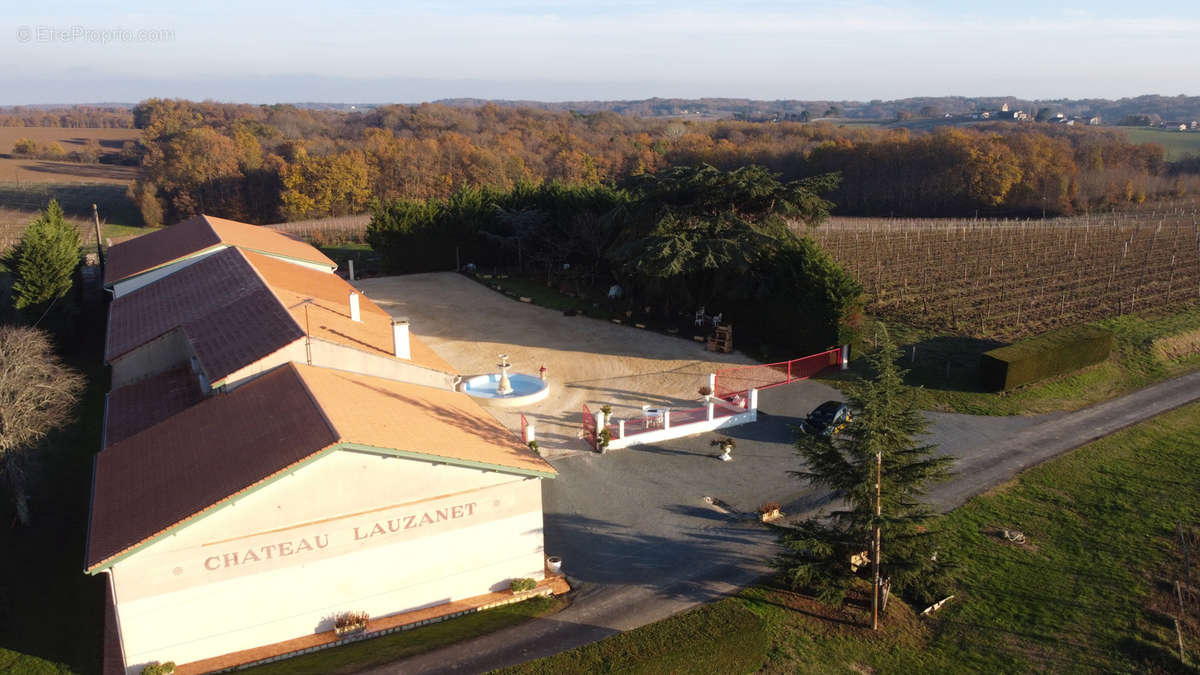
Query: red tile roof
point(237, 307)
point(143, 404)
point(155, 480)
point(227, 313)
point(197, 234)
point(199, 458)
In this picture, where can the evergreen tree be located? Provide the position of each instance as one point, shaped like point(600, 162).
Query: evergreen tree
point(831, 555)
point(43, 263)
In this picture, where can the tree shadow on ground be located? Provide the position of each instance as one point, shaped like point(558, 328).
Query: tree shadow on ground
point(686, 567)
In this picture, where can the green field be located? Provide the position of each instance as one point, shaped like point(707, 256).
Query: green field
point(1177, 143)
point(1089, 591)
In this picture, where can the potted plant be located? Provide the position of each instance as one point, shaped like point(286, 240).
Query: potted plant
point(769, 511)
point(533, 445)
point(607, 410)
point(157, 668)
point(726, 445)
point(603, 439)
point(705, 392)
point(346, 623)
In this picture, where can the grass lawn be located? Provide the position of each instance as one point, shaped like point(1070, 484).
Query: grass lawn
point(361, 655)
point(1177, 143)
point(541, 294)
point(946, 367)
point(367, 263)
point(1089, 590)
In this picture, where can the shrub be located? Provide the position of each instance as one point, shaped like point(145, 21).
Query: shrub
point(348, 620)
point(522, 585)
point(533, 445)
point(43, 263)
point(768, 507)
point(157, 668)
point(24, 146)
point(723, 443)
point(1049, 354)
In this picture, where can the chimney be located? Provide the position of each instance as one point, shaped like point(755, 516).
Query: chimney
point(400, 338)
point(354, 314)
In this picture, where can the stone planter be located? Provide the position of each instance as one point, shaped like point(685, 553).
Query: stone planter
point(554, 564)
point(768, 516)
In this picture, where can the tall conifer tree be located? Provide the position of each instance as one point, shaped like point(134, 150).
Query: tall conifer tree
point(831, 554)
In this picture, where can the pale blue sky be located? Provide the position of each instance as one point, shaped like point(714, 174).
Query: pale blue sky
point(306, 50)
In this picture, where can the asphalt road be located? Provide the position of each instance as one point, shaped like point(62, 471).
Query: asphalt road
point(641, 543)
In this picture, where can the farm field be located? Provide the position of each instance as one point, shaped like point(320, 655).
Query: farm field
point(1177, 143)
point(20, 203)
point(1005, 280)
point(28, 170)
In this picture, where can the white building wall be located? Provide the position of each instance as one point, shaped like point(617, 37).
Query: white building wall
point(133, 283)
point(161, 354)
point(295, 351)
point(344, 357)
point(352, 531)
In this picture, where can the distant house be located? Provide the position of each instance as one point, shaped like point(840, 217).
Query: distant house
point(1095, 121)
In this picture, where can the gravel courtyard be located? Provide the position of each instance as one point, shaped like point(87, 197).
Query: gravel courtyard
point(588, 360)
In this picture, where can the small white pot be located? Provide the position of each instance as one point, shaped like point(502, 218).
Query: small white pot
point(554, 563)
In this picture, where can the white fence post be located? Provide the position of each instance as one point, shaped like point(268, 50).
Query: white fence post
point(350, 264)
point(710, 411)
point(530, 432)
point(845, 356)
point(599, 422)
point(712, 383)
point(754, 399)
point(620, 428)
point(667, 418)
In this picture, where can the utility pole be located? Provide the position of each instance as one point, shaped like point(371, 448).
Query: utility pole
point(99, 241)
point(875, 557)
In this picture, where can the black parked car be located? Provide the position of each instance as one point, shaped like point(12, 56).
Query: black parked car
point(827, 419)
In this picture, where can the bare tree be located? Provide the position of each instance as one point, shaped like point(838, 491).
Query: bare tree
point(37, 395)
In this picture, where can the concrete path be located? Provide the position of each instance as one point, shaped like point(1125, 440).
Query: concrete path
point(649, 531)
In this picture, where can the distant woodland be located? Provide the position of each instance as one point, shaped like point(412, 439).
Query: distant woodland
point(270, 163)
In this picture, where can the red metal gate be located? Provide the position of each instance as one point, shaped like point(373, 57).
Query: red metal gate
point(589, 427)
point(731, 381)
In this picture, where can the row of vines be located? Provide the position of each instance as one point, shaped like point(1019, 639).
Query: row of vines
point(1009, 279)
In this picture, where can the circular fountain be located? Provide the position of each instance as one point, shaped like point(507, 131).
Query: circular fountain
point(502, 390)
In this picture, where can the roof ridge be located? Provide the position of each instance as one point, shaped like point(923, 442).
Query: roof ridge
point(315, 401)
point(271, 289)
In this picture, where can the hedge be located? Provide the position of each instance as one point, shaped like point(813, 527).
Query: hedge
point(723, 637)
point(1049, 354)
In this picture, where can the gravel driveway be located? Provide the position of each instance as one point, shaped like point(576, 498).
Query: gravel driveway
point(639, 539)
